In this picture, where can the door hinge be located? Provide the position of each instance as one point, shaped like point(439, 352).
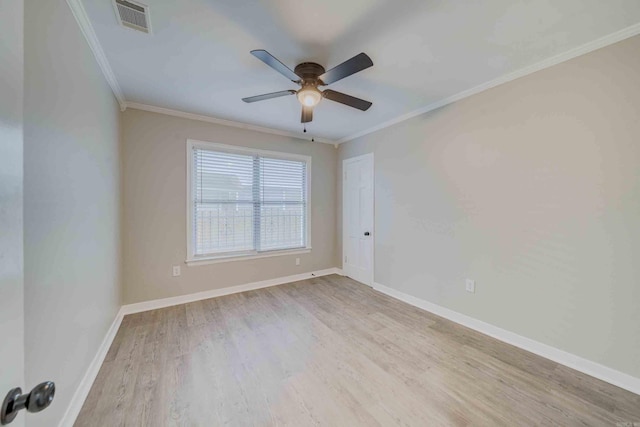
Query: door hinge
point(345, 258)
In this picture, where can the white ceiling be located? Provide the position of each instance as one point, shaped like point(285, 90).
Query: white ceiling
point(197, 59)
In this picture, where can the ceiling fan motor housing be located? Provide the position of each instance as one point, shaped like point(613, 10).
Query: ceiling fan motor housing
point(309, 72)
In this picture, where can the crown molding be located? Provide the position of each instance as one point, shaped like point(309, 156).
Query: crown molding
point(224, 122)
point(549, 62)
point(82, 19)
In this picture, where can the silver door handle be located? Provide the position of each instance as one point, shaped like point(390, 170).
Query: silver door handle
point(36, 400)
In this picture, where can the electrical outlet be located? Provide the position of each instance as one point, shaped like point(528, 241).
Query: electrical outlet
point(176, 270)
point(470, 285)
point(297, 261)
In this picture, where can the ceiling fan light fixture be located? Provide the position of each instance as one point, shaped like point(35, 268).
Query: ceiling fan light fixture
point(309, 76)
point(309, 96)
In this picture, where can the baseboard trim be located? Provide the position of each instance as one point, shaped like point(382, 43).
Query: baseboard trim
point(562, 357)
point(81, 393)
point(183, 299)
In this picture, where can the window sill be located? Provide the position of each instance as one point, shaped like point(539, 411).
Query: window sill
point(230, 258)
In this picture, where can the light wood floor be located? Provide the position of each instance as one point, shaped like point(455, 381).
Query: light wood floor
point(330, 351)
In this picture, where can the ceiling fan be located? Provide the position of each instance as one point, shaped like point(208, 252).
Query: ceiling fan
point(310, 76)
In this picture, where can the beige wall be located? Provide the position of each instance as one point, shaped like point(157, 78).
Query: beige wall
point(532, 189)
point(11, 188)
point(154, 228)
point(71, 204)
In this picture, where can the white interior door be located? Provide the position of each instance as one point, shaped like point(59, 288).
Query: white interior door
point(357, 219)
point(11, 140)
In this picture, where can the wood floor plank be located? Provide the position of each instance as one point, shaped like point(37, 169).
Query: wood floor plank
point(331, 351)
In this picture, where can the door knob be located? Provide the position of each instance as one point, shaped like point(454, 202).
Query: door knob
point(36, 400)
point(366, 233)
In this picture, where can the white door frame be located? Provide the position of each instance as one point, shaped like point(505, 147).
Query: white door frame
point(373, 212)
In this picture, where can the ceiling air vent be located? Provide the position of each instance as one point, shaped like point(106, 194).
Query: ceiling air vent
point(133, 15)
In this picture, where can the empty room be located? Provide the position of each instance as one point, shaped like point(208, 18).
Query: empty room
point(319, 213)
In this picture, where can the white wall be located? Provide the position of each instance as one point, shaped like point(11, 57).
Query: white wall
point(72, 203)
point(532, 189)
point(11, 188)
point(155, 199)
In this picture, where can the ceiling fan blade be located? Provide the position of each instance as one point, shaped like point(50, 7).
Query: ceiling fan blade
point(269, 96)
point(274, 63)
point(307, 114)
point(345, 99)
point(357, 63)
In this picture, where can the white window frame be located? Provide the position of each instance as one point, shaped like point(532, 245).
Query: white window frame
point(192, 258)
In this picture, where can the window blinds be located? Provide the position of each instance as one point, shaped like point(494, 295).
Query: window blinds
point(244, 203)
point(283, 202)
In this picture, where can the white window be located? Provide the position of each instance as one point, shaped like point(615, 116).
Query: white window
point(245, 203)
